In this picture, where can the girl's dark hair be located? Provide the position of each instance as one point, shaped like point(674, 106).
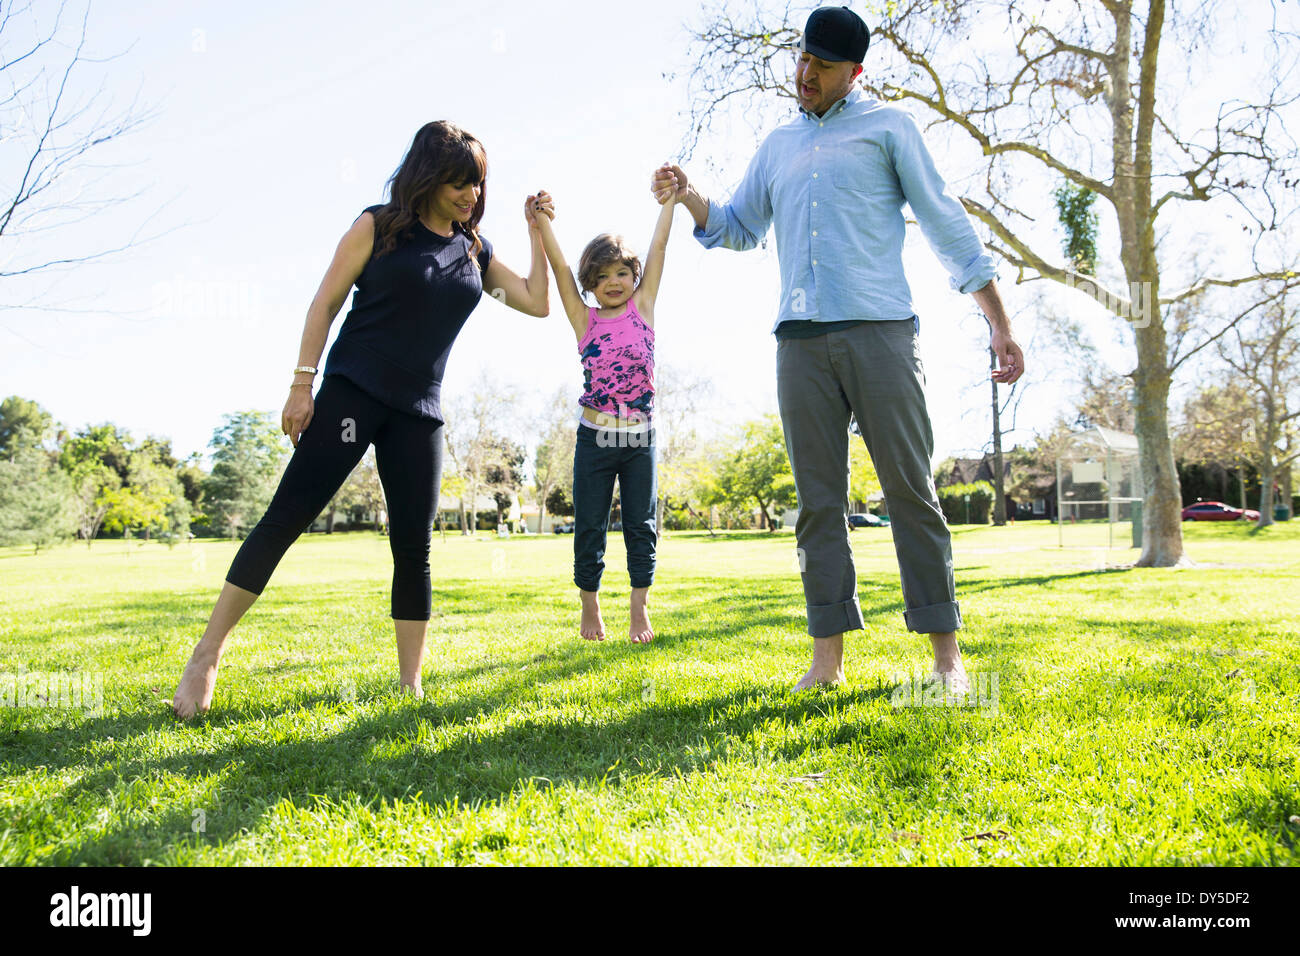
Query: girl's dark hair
point(605, 250)
point(441, 152)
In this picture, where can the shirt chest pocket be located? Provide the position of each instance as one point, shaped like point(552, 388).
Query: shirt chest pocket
point(865, 170)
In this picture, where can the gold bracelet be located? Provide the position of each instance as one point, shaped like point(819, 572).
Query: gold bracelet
point(300, 385)
point(305, 368)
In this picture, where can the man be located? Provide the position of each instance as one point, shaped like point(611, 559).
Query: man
point(833, 181)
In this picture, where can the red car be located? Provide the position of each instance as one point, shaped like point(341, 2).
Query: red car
point(1217, 511)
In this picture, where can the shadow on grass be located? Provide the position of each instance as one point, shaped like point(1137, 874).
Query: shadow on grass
point(657, 740)
point(400, 748)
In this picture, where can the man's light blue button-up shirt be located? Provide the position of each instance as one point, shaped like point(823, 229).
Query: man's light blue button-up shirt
point(834, 187)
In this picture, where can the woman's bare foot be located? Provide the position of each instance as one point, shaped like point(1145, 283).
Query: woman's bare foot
point(194, 693)
point(593, 627)
point(639, 630)
point(827, 664)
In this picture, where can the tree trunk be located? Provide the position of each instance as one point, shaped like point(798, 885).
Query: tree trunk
point(1266, 474)
point(999, 492)
point(1286, 490)
point(329, 522)
point(1241, 485)
point(1162, 529)
point(659, 517)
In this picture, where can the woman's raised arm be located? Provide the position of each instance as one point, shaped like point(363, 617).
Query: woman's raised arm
point(530, 296)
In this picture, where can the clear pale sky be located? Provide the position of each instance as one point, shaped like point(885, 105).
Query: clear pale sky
point(278, 122)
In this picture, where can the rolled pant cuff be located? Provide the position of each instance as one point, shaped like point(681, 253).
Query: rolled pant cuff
point(643, 583)
point(934, 618)
point(827, 620)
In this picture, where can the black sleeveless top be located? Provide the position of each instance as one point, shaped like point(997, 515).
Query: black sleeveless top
point(407, 310)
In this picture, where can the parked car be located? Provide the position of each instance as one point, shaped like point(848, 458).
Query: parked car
point(1218, 511)
point(865, 521)
point(565, 528)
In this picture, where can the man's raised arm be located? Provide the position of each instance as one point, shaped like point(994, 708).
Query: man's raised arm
point(737, 224)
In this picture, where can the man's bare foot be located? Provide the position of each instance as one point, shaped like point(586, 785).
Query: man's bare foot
point(948, 665)
point(194, 693)
point(593, 627)
point(817, 677)
point(639, 631)
point(828, 663)
point(414, 688)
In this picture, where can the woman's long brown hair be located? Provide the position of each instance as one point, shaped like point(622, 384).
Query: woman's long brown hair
point(441, 152)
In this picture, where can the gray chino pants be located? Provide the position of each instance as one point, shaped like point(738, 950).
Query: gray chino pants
point(872, 371)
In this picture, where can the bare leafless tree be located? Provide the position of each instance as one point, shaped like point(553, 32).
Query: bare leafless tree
point(1071, 89)
point(1265, 355)
point(477, 423)
point(681, 397)
point(57, 123)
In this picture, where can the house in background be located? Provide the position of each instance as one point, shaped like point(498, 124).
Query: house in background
point(1038, 497)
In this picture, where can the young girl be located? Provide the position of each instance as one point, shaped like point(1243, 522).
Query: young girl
point(419, 266)
point(615, 432)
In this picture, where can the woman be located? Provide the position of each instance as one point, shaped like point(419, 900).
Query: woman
point(420, 268)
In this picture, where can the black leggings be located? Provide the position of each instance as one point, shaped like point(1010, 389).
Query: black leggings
point(408, 452)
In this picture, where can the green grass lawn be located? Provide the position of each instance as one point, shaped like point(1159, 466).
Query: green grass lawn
point(1140, 717)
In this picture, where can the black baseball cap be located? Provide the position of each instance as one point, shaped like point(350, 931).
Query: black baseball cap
point(835, 33)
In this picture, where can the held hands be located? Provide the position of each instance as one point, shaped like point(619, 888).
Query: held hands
point(537, 205)
point(297, 414)
point(1011, 361)
point(668, 183)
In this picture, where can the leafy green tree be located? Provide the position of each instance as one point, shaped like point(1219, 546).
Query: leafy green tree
point(863, 480)
point(558, 501)
point(759, 471)
point(553, 462)
point(101, 444)
point(34, 500)
point(247, 457)
point(93, 485)
point(363, 491)
point(505, 476)
point(1074, 208)
point(23, 424)
point(191, 476)
point(144, 503)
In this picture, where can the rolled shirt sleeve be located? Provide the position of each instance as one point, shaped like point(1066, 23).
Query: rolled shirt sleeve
point(943, 219)
point(742, 221)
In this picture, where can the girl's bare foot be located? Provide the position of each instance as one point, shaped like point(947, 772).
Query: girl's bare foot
point(639, 631)
point(593, 628)
point(194, 693)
